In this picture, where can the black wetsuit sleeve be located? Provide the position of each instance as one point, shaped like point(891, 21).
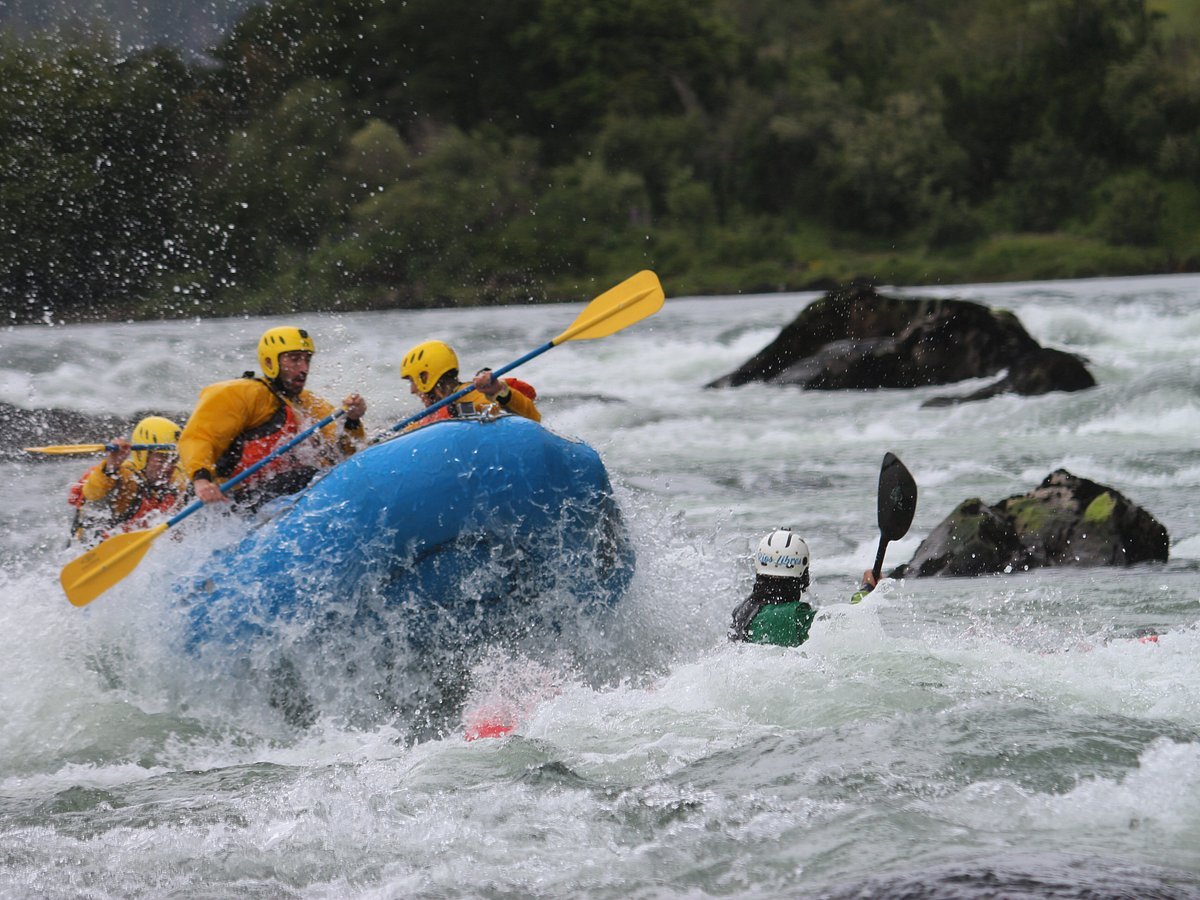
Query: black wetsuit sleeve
point(743, 615)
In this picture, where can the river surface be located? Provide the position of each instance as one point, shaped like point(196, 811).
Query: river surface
point(1004, 736)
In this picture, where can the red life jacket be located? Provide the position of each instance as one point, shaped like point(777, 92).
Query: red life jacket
point(445, 412)
point(257, 443)
point(75, 491)
point(145, 502)
point(261, 441)
point(523, 386)
point(436, 416)
point(148, 502)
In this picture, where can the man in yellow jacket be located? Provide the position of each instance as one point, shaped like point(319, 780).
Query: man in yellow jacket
point(432, 372)
point(238, 422)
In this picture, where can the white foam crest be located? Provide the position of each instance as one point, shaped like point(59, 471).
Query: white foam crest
point(697, 709)
point(79, 775)
point(1186, 548)
point(1101, 468)
point(1170, 291)
point(1160, 799)
point(16, 384)
point(47, 697)
point(1155, 678)
point(1158, 420)
point(732, 693)
point(1134, 330)
point(851, 565)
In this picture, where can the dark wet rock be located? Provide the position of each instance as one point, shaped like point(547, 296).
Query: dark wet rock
point(1065, 521)
point(37, 427)
point(1040, 372)
point(856, 338)
point(1024, 876)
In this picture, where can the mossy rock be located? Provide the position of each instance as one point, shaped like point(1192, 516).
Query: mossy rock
point(973, 540)
point(1043, 524)
point(1065, 521)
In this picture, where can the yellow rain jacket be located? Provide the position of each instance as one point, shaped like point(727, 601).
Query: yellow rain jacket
point(516, 403)
point(232, 413)
point(125, 499)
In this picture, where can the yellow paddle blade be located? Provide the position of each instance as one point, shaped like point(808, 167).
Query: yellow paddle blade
point(62, 449)
point(632, 300)
point(86, 578)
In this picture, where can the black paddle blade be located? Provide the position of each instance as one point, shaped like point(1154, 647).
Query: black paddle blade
point(897, 498)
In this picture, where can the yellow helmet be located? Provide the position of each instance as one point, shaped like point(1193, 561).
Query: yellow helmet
point(283, 339)
point(426, 363)
point(152, 430)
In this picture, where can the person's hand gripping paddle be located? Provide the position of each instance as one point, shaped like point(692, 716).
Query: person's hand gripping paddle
point(897, 503)
point(635, 298)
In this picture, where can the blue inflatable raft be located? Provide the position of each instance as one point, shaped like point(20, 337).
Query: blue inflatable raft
point(460, 530)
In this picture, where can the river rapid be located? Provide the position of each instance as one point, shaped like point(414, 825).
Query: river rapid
point(1003, 736)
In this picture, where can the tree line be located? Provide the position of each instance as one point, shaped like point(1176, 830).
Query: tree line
point(370, 153)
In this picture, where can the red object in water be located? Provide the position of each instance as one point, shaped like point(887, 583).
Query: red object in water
point(489, 730)
point(523, 386)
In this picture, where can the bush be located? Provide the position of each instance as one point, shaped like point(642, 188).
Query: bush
point(1048, 177)
point(1130, 210)
point(952, 223)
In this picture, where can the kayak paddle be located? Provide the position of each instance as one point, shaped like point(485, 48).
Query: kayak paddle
point(897, 504)
point(90, 575)
point(634, 299)
point(65, 449)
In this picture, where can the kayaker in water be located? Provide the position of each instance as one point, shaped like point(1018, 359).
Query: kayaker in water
point(240, 421)
point(777, 610)
point(128, 487)
point(431, 368)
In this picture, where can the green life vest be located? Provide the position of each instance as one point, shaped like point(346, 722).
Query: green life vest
point(784, 624)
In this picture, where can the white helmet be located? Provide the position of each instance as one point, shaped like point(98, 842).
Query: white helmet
point(783, 555)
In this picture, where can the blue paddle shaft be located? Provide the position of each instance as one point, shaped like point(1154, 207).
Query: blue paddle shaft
point(243, 475)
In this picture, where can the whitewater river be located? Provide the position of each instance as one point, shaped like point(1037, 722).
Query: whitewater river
point(991, 737)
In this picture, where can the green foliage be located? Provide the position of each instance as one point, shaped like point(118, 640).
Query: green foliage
point(952, 223)
point(275, 193)
point(660, 149)
point(624, 58)
point(884, 169)
point(1058, 256)
point(1131, 210)
point(358, 153)
point(1048, 180)
point(1180, 232)
point(458, 222)
point(94, 198)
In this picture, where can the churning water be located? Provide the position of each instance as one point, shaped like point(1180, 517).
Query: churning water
point(990, 737)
